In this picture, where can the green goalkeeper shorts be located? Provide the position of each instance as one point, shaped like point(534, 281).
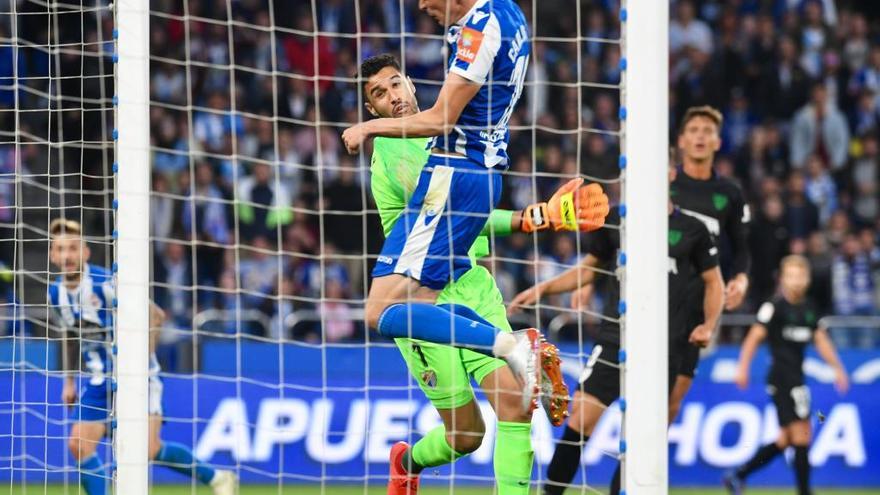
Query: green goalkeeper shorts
point(444, 372)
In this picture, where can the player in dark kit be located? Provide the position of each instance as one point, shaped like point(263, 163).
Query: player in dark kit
point(692, 253)
point(789, 323)
point(719, 203)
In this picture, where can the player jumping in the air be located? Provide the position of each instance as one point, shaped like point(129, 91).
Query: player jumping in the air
point(459, 186)
point(444, 372)
point(692, 253)
point(81, 299)
point(788, 322)
point(719, 203)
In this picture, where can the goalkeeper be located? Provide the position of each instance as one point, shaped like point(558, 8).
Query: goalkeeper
point(443, 372)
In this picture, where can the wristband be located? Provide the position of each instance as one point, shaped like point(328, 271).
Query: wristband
point(499, 222)
point(535, 218)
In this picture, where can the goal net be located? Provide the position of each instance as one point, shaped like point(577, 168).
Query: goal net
point(263, 231)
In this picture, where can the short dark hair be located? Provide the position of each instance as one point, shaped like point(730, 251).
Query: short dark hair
point(706, 111)
point(371, 66)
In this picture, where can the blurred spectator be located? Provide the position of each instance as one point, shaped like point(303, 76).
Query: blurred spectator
point(856, 49)
point(284, 307)
point(769, 239)
point(801, 216)
point(345, 199)
point(204, 222)
point(821, 189)
point(865, 177)
point(172, 153)
point(258, 271)
point(815, 36)
point(821, 260)
point(738, 122)
point(819, 128)
point(783, 84)
point(263, 203)
point(685, 30)
point(301, 51)
point(853, 290)
point(866, 116)
point(173, 279)
point(337, 319)
point(215, 125)
point(867, 78)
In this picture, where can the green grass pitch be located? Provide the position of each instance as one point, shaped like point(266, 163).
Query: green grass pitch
point(378, 490)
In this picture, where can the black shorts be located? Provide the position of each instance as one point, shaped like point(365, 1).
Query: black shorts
point(688, 359)
point(604, 382)
point(792, 402)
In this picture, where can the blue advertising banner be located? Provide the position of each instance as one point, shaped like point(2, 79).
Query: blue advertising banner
point(335, 413)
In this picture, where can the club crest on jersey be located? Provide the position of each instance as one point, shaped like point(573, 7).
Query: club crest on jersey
point(719, 200)
point(674, 237)
point(429, 378)
point(469, 45)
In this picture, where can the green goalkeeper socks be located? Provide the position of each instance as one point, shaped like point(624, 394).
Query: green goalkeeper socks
point(513, 458)
point(431, 451)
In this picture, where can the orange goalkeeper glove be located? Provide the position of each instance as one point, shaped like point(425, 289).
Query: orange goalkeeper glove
point(572, 207)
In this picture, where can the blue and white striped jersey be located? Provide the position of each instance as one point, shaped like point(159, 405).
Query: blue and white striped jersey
point(88, 311)
point(489, 46)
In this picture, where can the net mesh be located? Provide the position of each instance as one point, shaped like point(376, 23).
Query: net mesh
point(263, 231)
point(57, 150)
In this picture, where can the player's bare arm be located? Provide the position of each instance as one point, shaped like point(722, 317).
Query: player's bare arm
point(454, 96)
point(571, 279)
point(736, 291)
point(757, 334)
point(825, 348)
point(713, 301)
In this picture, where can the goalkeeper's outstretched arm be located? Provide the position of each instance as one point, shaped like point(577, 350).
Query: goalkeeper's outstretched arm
point(572, 208)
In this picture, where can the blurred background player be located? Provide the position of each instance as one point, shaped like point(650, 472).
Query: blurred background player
point(718, 202)
point(692, 253)
point(444, 372)
point(458, 187)
point(81, 298)
point(789, 322)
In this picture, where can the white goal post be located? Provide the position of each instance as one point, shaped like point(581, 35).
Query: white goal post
point(644, 326)
point(132, 167)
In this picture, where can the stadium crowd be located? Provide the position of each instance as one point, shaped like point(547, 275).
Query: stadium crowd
point(248, 161)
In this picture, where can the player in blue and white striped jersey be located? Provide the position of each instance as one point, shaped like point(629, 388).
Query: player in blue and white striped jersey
point(81, 298)
point(460, 185)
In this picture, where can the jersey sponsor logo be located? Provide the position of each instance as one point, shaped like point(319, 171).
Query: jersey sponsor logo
point(719, 200)
point(711, 224)
point(747, 214)
point(469, 45)
point(797, 333)
point(674, 237)
point(385, 259)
